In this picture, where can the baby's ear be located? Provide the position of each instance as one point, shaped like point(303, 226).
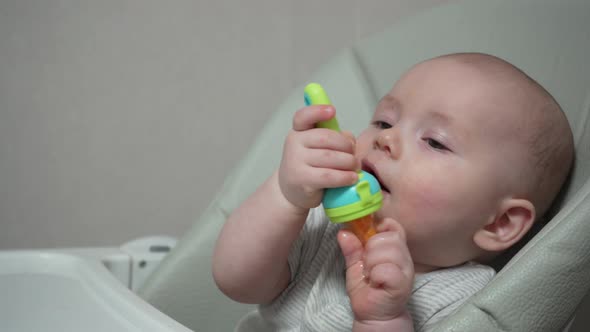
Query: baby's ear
point(513, 220)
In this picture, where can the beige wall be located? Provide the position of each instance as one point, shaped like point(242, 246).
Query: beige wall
point(120, 118)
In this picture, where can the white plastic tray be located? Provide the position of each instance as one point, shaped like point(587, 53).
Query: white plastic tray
point(42, 291)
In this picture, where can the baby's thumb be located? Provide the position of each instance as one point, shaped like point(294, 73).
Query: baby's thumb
point(352, 250)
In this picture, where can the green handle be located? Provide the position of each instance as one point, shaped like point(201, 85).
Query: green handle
point(315, 95)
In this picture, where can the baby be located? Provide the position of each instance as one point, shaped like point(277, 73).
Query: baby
point(469, 152)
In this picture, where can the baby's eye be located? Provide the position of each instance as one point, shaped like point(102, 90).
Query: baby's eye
point(436, 144)
point(381, 124)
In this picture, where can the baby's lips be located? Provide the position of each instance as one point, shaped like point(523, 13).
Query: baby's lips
point(369, 167)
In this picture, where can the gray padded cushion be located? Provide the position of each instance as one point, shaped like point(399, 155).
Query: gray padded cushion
point(540, 288)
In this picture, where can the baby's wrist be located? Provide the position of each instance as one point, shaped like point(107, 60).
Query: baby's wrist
point(402, 323)
point(285, 202)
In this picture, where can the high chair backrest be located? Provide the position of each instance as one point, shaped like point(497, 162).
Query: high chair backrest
point(543, 284)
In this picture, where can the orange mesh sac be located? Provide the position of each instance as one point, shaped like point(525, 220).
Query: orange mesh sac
point(362, 227)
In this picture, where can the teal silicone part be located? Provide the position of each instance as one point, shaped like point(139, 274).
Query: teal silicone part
point(349, 203)
point(342, 196)
point(306, 99)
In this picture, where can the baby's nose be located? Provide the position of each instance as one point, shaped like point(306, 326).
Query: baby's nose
point(388, 141)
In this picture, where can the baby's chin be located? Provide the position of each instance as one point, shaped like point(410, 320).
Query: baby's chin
point(425, 268)
point(384, 211)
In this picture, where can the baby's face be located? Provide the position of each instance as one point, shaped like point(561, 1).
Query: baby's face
point(441, 145)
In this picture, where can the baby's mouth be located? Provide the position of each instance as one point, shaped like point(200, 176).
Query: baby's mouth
point(370, 168)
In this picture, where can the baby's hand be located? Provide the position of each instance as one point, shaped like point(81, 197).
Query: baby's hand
point(380, 276)
point(315, 158)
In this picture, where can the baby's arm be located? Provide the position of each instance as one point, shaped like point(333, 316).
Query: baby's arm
point(379, 278)
point(249, 263)
point(250, 259)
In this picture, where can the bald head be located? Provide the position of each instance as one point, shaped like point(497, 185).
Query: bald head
point(542, 127)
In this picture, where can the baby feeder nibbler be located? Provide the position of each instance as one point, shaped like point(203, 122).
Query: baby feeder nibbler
point(355, 204)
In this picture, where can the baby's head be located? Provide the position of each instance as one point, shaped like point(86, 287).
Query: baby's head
point(469, 151)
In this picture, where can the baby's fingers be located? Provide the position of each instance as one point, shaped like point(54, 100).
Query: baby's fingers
point(389, 277)
point(330, 178)
point(390, 225)
point(389, 246)
point(386, 273)
point(321, 138)
point(350, 136)
point(323, 158)
point(385, 249)
point(307, 117)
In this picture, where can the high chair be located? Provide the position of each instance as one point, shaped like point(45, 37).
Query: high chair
point(543, 285)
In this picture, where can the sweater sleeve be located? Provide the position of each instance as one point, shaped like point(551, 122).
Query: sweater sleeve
point(308, 242)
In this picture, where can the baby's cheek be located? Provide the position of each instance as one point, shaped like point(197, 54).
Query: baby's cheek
point(425, 194)
point(428, 207)
point(431, 218)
